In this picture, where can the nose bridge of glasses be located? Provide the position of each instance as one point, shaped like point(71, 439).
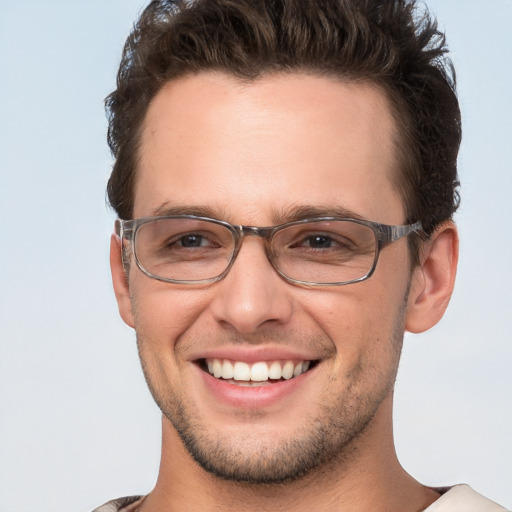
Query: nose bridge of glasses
point(256, 231)
point(261, 232)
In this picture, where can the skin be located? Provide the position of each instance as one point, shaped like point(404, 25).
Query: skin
point(251, 154)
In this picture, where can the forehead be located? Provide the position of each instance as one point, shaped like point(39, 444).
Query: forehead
point(249, 150)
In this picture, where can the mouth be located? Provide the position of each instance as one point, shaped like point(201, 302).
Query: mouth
point(256, 374)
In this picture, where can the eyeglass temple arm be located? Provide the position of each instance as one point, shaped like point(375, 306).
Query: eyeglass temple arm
point(123, 228)
point(393, 233)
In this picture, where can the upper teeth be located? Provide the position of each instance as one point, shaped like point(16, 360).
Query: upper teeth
point(258, 372)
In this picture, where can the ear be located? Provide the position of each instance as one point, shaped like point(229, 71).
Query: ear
point(433, 280)
point(120, 280)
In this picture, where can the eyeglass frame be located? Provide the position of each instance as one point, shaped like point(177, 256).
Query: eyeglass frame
point(385, 234)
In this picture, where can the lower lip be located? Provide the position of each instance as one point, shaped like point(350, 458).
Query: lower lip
point(245, 397)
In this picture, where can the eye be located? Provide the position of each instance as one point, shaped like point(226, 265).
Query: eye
point(193, 240)
point(318, 242)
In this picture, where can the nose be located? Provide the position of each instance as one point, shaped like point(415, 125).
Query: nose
point(253, 294)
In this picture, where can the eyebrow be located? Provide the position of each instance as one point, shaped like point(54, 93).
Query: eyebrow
point(168, 208)
point(289, 214)
point(302, 212)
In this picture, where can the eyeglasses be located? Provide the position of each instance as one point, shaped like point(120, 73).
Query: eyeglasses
point(325, 251)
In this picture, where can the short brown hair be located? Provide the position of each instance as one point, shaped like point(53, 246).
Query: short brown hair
point(389, 43)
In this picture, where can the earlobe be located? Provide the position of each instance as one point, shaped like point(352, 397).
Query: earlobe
point(433, 280)
point(120, 280)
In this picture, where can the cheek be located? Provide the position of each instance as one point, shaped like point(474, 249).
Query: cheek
point(163, 313)
point(162, 316)
point(364, 320)
point(343, 312)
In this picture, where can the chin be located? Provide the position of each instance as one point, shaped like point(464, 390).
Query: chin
point(328, 439)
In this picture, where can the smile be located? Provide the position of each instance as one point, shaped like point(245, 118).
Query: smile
point(260, 372)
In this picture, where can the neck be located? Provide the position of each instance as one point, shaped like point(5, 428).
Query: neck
point(369, 478)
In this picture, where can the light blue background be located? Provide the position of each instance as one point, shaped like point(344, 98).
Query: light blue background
point(77, 426)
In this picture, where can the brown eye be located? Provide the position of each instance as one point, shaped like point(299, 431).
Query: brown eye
point(191, 241)
point(319, 242)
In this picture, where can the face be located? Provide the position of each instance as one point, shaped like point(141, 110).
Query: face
point(256, 154)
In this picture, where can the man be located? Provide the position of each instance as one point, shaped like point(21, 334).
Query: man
point(285, 177)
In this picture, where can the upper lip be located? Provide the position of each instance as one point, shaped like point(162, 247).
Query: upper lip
point(252, 355)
